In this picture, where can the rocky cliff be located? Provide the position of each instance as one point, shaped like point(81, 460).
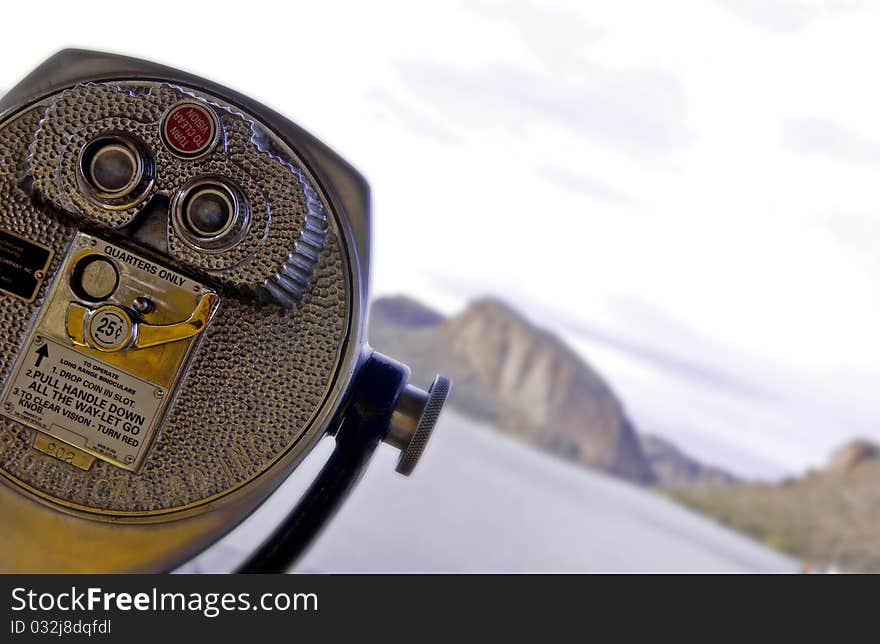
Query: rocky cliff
point(516, 376)
point(675, 468)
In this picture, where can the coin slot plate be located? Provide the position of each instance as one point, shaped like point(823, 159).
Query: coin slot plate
point(108, 405)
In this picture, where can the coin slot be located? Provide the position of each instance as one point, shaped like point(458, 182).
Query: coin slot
point(94, 278)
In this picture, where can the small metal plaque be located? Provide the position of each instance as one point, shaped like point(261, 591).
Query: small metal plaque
point(63, 452)
point(23, 265)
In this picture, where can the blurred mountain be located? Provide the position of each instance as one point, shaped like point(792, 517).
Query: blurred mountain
point(403, 312)
point(830, 517)
point(521, 379)
point(674, 468)
point(852, 456)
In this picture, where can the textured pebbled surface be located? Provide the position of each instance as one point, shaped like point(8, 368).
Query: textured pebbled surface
point(283, 219)
point(263, 371)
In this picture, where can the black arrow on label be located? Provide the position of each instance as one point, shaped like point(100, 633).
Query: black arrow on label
point(42, 352)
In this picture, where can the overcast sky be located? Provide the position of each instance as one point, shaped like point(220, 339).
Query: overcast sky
point(688, 192)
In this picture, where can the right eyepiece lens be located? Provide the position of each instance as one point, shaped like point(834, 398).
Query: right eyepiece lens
point(210, 214)
point(209, 211)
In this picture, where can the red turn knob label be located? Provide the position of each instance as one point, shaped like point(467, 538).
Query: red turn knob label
point(189, 129)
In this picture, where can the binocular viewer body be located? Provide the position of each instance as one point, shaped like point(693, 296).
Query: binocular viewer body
point(183, 297)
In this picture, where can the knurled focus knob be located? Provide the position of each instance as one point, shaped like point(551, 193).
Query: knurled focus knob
point(413, 421)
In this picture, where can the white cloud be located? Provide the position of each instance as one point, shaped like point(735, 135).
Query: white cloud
point(634, 109)
point(815, 137)
point(788, 15)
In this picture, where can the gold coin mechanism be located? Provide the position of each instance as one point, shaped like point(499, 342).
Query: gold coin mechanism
point(109, 328)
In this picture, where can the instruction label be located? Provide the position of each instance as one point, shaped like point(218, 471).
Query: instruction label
point(83, 401)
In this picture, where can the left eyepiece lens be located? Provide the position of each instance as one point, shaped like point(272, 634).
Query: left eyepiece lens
point(114, 170)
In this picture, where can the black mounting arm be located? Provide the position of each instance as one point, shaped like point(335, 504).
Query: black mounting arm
point(365, 423)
